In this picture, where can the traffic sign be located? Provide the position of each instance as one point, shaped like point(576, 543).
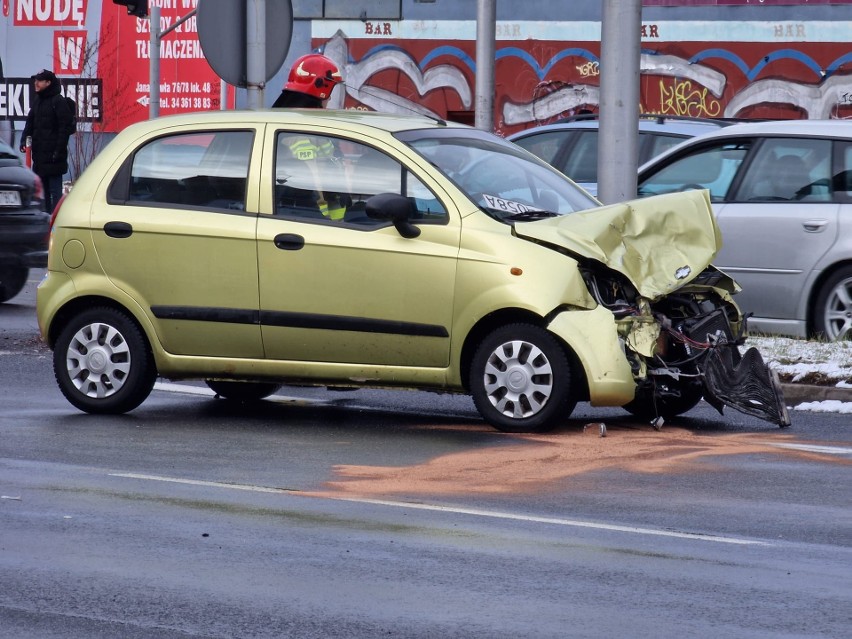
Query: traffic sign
point(222, 34)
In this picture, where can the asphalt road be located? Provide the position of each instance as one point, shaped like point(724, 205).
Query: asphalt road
point(368, 514)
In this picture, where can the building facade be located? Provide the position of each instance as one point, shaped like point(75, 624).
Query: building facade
point(709, 58)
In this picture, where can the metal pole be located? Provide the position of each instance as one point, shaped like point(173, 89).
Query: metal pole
point(154, 62)
point(618, 139)
point(255, 52)
point(486, 29)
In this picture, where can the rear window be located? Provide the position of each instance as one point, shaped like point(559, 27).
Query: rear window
point(207, 169)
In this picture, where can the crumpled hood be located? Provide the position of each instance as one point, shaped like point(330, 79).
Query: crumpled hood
point(660, 243)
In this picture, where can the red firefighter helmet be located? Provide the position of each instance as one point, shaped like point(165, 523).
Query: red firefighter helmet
point(315, 75)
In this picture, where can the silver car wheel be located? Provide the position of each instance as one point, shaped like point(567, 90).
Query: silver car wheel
point(518, 379)
point(838, 311)
point(98, 360)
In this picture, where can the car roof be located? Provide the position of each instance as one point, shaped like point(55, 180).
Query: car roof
point(678, 126)
point(345, 118)
point(780, 128)
point(806, 128)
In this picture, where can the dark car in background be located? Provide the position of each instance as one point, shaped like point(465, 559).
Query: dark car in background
point(24, 225)
point(571, 145)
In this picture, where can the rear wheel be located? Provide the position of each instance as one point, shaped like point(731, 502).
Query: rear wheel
point(12, 281)
point(833, 313)
point(521, 378)
point(103, 363)
point(242, 391)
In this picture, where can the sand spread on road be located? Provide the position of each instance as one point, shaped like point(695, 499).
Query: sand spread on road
point(530, 462)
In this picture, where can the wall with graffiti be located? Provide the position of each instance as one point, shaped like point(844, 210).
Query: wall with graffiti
point(713, 58)
point(546, 70)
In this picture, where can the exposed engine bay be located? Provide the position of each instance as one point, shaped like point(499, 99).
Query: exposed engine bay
point(686, 346)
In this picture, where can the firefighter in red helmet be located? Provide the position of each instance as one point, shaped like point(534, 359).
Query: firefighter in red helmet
point(310, 83)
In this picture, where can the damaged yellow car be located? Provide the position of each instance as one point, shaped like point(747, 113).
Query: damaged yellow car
point(352, 249)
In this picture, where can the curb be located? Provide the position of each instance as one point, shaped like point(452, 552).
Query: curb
point(795, 394)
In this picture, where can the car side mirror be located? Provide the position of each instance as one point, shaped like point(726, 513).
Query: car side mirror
point(395, 208)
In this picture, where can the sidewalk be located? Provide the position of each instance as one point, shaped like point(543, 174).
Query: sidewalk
point(795, 394)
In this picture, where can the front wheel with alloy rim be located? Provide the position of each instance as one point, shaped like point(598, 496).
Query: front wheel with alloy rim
point(103, 363)
point(520, 379)
point(833, 314)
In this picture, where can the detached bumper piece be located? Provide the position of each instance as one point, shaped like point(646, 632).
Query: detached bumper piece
point(745, 383)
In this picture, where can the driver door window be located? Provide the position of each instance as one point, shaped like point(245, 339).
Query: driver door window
point(712, 168)
point(787, 169)
point(328, 179)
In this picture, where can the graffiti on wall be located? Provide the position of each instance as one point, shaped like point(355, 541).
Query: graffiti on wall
point(775, 71)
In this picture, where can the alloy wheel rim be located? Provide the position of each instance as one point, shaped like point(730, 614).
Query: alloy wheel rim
point(838, 311)
point(98, 360)
point(518, 379)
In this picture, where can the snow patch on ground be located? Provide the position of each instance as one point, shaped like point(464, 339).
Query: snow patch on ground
point(826, 406)
point(804, 361)
point(800, 358)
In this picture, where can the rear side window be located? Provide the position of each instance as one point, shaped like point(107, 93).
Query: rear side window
point(544, 145)
point(208, 170)
point(581, 165)
point(842, 179)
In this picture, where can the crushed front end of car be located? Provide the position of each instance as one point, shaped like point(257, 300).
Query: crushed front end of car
point(649, 263)
point(687, 345)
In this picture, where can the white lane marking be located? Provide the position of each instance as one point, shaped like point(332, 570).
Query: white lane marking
point(183, 388)
point(813, 448)
point(198, 482)
point(459, 511)
point(170, 387)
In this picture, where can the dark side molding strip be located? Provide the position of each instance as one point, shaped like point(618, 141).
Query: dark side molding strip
point(297, 320)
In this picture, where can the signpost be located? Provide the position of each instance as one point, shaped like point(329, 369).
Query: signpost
point(154, 57)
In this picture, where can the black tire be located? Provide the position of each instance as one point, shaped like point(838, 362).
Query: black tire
point(646, 406)
point(833, 310)
point(12, 281)
point(103, 363)
point(243, 391)
point(520, 379)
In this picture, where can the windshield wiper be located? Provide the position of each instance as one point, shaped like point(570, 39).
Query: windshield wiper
point(530, 216)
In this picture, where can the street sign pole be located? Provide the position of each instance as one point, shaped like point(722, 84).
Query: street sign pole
point(154, 56)
point(255, 52)
point(618, 141)
point(486, 27)
point(154, 62)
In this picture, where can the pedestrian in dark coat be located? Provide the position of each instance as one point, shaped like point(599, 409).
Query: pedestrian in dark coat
point(49, 125)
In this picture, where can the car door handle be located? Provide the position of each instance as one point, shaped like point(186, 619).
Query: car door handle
point(289, 241)
point(118, 229)
point(814, 226)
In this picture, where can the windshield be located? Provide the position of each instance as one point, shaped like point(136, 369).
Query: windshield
point(505, 181)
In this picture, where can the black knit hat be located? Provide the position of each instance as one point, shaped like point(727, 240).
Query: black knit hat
point(44, 74)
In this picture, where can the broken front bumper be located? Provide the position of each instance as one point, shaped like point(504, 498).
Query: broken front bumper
point(743, 382)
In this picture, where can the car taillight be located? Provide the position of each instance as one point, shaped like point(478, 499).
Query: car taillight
point(56, 212)
point(38, 189)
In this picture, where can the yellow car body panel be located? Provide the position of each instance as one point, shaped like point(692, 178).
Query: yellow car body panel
point(660, 243)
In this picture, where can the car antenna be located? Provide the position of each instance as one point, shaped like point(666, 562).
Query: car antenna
point(434, 118)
